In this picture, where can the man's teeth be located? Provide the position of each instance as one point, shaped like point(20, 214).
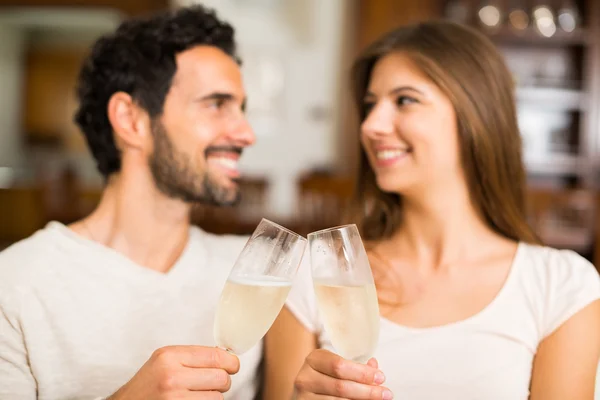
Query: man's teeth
point(226, 162)
point(389, 154)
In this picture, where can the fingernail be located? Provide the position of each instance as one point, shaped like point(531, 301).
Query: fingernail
point(379, 377)
point(387, 395)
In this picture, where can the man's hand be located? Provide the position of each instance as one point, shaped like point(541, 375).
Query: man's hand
point(182, 372)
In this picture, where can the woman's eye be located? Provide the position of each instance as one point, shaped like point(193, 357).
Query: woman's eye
point(404, 100)
point(367, 107)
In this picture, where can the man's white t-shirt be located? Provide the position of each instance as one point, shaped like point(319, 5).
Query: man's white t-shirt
point(487, 356)
point(78, 319)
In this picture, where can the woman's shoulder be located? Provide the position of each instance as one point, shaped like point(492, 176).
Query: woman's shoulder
point(561, 280)
point(551, 261)
point(554, 270)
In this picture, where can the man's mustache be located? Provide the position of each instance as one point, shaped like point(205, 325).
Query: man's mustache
point(223, 149)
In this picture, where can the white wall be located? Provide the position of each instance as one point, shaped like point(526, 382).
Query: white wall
point(11, 80)
point(306, 35)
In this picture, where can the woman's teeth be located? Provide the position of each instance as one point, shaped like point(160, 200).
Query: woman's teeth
point(389, 154)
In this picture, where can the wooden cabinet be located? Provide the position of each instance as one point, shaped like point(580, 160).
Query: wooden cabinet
point(380, 16)
point(50, 72)
point(556, 68)
point(557, 71)
point(129, 7)
point(50, 79)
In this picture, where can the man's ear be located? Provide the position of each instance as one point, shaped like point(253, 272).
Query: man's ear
point(129, 121)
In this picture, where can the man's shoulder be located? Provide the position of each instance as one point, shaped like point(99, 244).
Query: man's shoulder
point(21, 262)
point(220, 242)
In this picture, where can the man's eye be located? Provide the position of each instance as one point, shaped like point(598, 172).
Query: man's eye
point(218, 103)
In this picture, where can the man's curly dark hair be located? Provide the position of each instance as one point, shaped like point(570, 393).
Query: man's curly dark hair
point(139, 59)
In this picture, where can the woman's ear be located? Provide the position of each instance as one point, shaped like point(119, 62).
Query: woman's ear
point(129, 121)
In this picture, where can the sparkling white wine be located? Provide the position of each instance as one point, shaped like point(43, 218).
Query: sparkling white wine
point(351, 317)
point(247, 309)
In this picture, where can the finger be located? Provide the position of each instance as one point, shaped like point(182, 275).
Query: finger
point(311, 381)
point(312, 396)
point(203, 396)
point(373, 363)
point(200, 357)
point(326, 385)
point(337, 367)
point(204, 379)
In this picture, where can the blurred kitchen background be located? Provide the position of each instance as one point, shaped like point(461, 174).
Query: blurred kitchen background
point(296, 58)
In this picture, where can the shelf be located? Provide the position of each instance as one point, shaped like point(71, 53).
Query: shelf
point(556, 164)
point(505, 34)
point(552, 98)
point(576, 239)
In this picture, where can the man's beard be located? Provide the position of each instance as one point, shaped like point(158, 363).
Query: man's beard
point(175, 176)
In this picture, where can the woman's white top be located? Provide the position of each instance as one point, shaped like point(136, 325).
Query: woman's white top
point(488, 355)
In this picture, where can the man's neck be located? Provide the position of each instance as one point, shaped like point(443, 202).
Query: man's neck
point(138, 221)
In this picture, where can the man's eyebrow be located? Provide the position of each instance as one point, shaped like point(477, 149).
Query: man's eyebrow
point(225, 97)
point(217, 96)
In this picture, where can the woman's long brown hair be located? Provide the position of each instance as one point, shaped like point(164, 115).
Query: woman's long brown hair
point(468, 68)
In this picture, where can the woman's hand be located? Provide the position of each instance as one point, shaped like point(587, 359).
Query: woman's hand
point(328, 376)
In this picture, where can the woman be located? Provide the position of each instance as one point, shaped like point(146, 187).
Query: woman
point(471, 306)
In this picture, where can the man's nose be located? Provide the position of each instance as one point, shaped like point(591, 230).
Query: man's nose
point(242, 133)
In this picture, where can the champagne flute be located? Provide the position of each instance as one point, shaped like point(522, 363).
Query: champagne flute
point(345, 291)
point(257, 286)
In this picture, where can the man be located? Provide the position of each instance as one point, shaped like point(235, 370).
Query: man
point(117, 304)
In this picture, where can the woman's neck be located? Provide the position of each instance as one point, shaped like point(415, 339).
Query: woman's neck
point(439, 229)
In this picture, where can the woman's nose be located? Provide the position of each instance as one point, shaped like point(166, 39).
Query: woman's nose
point(379, 121)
